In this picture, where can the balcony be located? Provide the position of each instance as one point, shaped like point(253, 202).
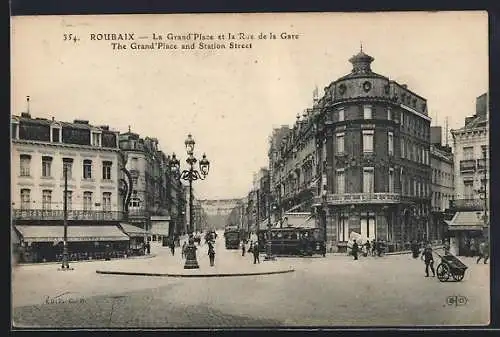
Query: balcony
point(41, 214)
point(468, 165)
point(467, 204)
point(360, 198)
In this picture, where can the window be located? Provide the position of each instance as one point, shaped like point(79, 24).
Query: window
point(340, 143)
point(340, 181)
point(25, 198)
point(341, 115)
point(402, 118)
point(390, 142)
point(14, 130)
point(68, 166)
point(389, 114)
point(106, 170)
point(468, 152)
point(133, 163)
point(56, 133)
point(87, 169)
point(368, 180)
point(367, 111)
point(25, 161)
point(106, 201)
point(484, 151)
point(368, 225)
point(343, 228)
point(46, 199)
point(414, 187)
point(368, 141)
point(469, 189)
point(69, 199)
point(46, 165)
point(403, 148)
point(87, 201)
point(96, 139)
point(390, 228)
point(134, 182)
point(391, 180)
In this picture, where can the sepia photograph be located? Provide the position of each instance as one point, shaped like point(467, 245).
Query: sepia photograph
point(264, 170)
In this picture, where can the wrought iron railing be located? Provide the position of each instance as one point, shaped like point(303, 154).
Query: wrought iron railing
point(467, 204)
point(467, 165)
point(43, 214)
point(359, 198)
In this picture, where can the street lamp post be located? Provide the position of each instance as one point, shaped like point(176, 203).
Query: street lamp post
point(65, 257)
point(269, 252)
point(190, 175)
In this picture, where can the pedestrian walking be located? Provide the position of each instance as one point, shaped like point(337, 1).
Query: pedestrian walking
point(429, 260)
point(183, 251)
point(256, 253)
point(473, 250)
point(211, 253)
point(148, 248)
point(243, 248)
point(414, 249)
point(484, 252)
point(172, 247)
point(374, 247)
point(367, 248)
point(355, 249)
point(446, 247)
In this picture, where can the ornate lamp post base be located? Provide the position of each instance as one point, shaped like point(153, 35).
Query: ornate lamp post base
point(191, 262)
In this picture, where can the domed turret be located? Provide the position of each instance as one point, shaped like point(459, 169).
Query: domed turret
point(361, 62)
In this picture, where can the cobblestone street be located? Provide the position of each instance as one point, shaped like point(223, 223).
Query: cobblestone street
point(331, 291)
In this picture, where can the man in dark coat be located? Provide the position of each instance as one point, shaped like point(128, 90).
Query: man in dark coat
point(172, 247)
point(429, 260)
point(256, 253)
point(355, 249)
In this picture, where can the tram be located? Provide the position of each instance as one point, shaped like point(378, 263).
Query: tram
point(297, 241)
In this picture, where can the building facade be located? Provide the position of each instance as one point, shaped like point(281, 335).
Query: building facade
point(470, 223)
point(157, 201)
point(442, 188)
point(373, 159)
point(41, 151)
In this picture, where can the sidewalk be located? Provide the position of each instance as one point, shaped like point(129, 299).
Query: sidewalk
point(141, 257)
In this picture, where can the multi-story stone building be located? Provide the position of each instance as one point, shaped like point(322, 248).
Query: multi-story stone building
point(374, 143)
point(41, 150)
point(471, 162)
point(157, 198)
point(442, 185)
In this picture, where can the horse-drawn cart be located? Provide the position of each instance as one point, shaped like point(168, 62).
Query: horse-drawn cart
point(450, 267)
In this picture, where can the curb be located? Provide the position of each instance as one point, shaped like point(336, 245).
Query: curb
point(194, 275)
point(144, 257)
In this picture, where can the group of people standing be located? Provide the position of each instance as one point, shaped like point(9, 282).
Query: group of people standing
point(374, 248)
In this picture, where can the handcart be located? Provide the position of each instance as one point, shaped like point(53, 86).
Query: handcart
point(450, 267)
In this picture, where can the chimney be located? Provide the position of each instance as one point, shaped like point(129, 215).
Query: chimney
point(482, 105)
point(404, 86)
point(469, 119)
point(436, 132)
point(81, 121)
point(25, 115)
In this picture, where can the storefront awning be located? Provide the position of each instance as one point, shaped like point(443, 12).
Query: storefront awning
point(75, 233)
point(133, 231)
point(465, 221)
point(159, 227)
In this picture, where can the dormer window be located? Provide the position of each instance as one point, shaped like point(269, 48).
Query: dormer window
point(15, 129)
point(55, 133)
point(96, 138)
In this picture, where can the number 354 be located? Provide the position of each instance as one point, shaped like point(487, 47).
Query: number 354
point(69, 37)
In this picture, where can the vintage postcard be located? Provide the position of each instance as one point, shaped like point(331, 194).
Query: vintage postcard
point(250, 170)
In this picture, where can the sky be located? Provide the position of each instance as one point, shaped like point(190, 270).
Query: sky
point(231, 99)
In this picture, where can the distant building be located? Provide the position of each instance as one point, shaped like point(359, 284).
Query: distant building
point(41, 149)
point(442, 186)
point(472, 186)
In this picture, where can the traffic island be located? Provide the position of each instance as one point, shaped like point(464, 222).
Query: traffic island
point(200, 272)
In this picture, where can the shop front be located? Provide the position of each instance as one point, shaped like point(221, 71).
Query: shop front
point(465, 232)
point(45, 243)
point(137, 237)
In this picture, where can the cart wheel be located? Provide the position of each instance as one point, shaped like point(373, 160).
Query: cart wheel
point(459, 277)
point(443, 272)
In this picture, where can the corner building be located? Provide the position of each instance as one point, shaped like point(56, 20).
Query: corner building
point(373, 144)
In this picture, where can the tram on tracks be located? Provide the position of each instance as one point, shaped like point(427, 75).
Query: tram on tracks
point(295, 241)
